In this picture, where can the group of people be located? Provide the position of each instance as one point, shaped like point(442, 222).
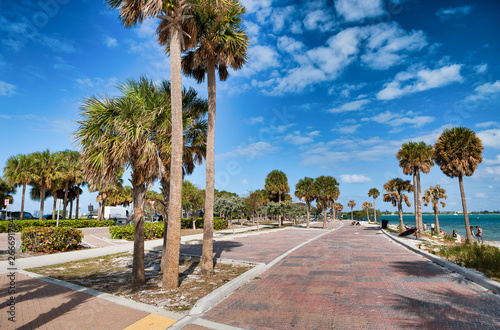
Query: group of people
point(478, 234)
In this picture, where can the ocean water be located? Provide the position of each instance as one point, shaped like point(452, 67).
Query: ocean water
point(489, 223)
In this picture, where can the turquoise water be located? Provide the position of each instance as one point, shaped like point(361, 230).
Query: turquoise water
point(490, 223)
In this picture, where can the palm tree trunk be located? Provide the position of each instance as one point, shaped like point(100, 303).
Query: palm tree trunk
point(436, 218)
point(351, 214)
point(77, 215)
point(400, 214)
point(65, 201)
point(138, 194)
point(308, 213)
point(415, 198)
point(54, 208)
point(42, 199)
point(374, 211)
point(22, 201)
point(70, 209)
point(207, 258)
point(334, 213)
point(165, 189)
point(464, 206)
point(279, 215)
point(99, 211)
point(367, 214)
point(171, 272)
point(324, 218)
point(419, 206)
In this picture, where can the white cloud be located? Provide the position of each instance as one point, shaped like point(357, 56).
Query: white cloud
point(387, 41)
point(359, 10)
point(448, 13)
point(244, 181)
point(487, 124)
point(255, 120)
point(350, 106)
point(260, 58)
point(410, 82)
point(354, 178)
point(481, 68)
point(297, 138)
point(7, 89)
point(490, 138)
point(251, 27)
point(254, 5)
point(282, 16)
point(110, 42)
point(290, 45)
point(495, 161)
point(253, 150)
point(147, 29)
point(484, 91)
point(319, 19)
point(349, 129)
point(397, 119)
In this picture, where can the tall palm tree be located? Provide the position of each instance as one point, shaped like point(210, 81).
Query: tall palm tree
point(17, 172)
point(116, 133)
point(351, 204)
point(46, 170)
point(305, 190)
point(178, 33)
point(339, 208)
point(69, 160)
point(458, 152)
point(367, 206)
point(395, 193)
point(413, 158)
point(374, 193)
point(327, 189)
point(434, 195)
point(277, 184)
point(222, 44)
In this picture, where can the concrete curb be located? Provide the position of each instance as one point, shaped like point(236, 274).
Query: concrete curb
point(468, 274)
point(106, 296)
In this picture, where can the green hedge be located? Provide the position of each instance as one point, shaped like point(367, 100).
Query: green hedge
point(155, 230)
point(19, 225)
point(50, 239)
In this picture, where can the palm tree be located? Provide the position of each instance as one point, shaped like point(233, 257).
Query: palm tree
point(395, 193)
point(339, 208)
point(116, 133)
point(367, 206)
point(413, 158)
point(222, 44)
point(6, 192)
point(351, 204)
point(69, 160)
point(46, 169)
point(305, 190)
point(374, 193)
point(326, 188)
point(277, 184)
point(176, 31)
point(433, 195)
point(458, 152)
point(17, 172)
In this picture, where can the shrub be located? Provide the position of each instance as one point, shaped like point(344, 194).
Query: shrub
point(481, 257)
point(155, 230)
point(19, 225)
point(50, 239)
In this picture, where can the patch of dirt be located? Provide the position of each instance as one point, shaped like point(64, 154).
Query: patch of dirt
point(112, 274)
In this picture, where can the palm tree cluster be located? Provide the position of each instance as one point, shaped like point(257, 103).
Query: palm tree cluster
point(58, 174)
point(457, 151)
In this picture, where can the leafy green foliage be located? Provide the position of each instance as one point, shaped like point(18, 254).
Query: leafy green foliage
point(19, 225)
point(481, 257)
point(155, 230)
point(50, 239)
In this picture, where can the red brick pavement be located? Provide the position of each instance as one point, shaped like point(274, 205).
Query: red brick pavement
point(42, 305)
point(259, 247)
point(356, 278)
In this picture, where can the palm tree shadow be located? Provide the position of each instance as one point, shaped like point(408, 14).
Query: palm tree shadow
point(420, 268)
point(187, 272)
point(224, 246)
point(449, 309)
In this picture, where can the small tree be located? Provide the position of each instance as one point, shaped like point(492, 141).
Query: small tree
point(351, 204)
point(374, 193)
point(367, 206)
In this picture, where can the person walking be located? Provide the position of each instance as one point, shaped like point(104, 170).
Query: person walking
point(479, 234)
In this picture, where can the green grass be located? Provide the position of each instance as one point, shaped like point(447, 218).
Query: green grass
point(482, 257)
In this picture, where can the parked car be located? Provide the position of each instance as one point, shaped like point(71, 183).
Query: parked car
point(3, 215)
point(117, 213)
point(16, 215)
point(49, 217)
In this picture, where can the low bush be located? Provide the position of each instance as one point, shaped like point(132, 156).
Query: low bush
point(482, 257)
point(19, 225)
point(155, 230)
point(50, 239)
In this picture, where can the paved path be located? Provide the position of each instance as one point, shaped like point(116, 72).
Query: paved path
point(357, 278)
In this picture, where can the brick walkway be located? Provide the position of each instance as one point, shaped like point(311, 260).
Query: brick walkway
point(42, 305)
point(356, 278)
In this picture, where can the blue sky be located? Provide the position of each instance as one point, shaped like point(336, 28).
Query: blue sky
point(330, 87)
